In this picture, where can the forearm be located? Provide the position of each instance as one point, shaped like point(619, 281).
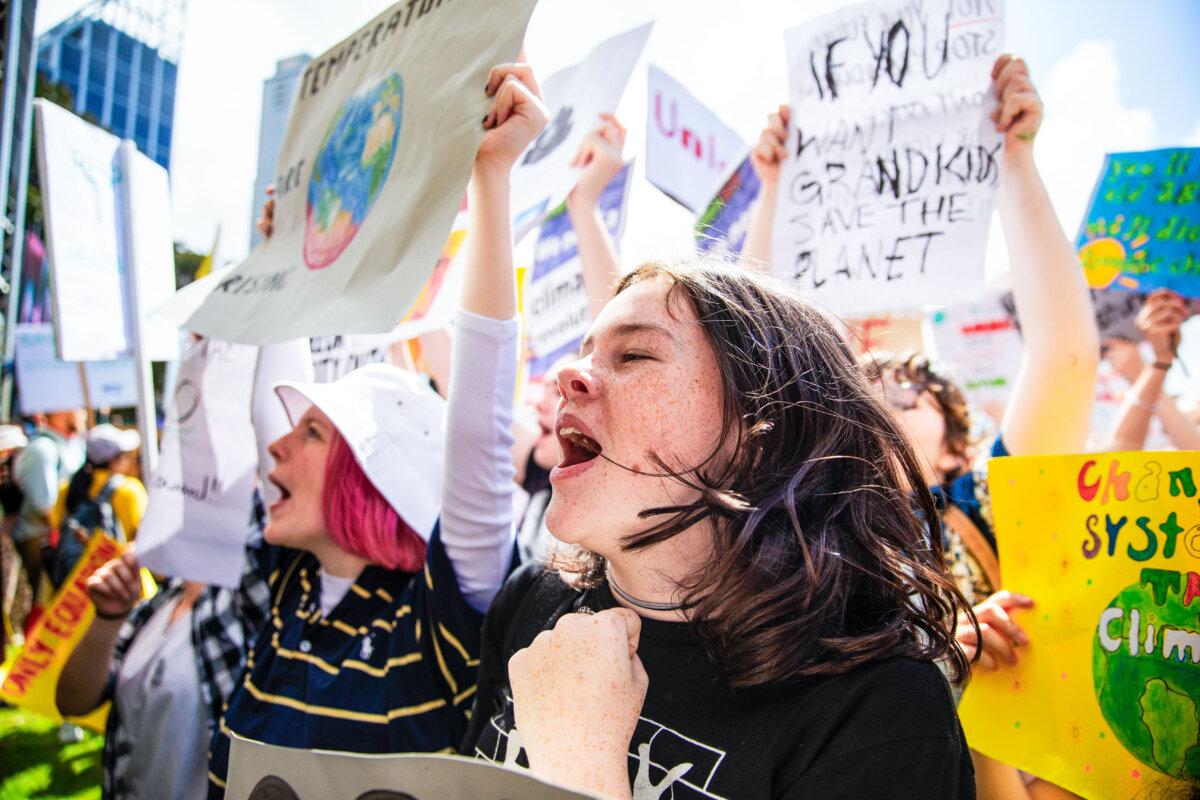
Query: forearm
point(1137, 409)
point(756, 253)
point(477, 513)
point(597, 253)
point(1179, 428)
point(81, 684)
point(489, 288)
point(1062, 345)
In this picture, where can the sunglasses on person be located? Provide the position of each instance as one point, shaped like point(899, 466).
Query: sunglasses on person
point(902, 395)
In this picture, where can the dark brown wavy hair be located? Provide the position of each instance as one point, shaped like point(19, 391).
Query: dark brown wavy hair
point(827, 553)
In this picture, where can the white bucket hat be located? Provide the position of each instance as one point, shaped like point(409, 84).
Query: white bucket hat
point(394, 424)
point(105, 442)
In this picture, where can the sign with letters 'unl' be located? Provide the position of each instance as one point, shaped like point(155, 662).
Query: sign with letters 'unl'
point(376, 157)
point(887, 192)
point(1142, 229)
point(688, 148)
point(1105, 700)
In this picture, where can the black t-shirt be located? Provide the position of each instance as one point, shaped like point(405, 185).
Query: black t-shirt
point(887, 729)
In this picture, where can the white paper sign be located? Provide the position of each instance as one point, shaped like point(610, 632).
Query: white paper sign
point(260, 771)
point(199, 515)
point(47, 383)
point(688, 148)
point(149, 252)
point(377, 154)
point(334, 356)
point(982, 347)
point(888, 189)
point(80, 178)
point(575, 97)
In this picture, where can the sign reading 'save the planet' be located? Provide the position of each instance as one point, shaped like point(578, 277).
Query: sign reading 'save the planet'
point(376, 157)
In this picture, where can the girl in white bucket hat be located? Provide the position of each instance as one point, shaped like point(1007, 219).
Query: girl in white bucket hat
point(377, 595)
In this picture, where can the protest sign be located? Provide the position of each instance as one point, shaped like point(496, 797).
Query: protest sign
point(557, 314)
point(1142, 228)
point(981, 347)
point(725, 222)
point(1104, 700)
point(47, 383)
point(688, 148)
point(887, 192)
point(575, 97)
point(80, 179)
point(148, 253)
point(199, 515)
point(334, 356)
point(35, 282)
point(29, 679)
point(260, 771)
point(378, 150)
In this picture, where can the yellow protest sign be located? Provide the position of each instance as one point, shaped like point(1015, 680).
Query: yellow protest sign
point(1106, 699)
point(30, 678)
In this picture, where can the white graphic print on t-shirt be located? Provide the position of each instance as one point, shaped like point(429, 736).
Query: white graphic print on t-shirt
point(694, 764)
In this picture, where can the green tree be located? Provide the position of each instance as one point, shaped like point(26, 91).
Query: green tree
point(186, 264)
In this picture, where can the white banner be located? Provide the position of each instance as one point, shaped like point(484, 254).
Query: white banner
point(688, 148)
point(888, 189)
point(377, 154)
point(334, 356)
point(149, 252)
point(199, 515)
point(576, 97)
point(80, 177)
point(47, 383)
point(982, 347)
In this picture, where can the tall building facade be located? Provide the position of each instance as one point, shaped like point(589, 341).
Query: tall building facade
point(279, 91)
point(118, 75)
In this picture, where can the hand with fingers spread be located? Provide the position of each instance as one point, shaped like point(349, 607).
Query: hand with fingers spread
point(516, 116)
point(771, 149)
point(998, 636)
point(584, 675)
point(116, 587)
point(600, 157)
point(1159, 321)
point(1019, 112)
point(266, 222)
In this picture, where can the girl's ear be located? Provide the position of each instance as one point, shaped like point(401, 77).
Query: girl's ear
point(949, 463)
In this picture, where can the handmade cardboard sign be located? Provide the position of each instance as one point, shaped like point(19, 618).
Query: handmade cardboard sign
point(887, 192)
point(1104, 701)
point(266, 772)
point(378, 150)
point(1142, 228)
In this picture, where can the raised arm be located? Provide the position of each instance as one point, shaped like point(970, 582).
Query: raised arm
point(477, 524)
point(766, 158)
point(1159, 321)
point(1050, 407)
point(600, 158)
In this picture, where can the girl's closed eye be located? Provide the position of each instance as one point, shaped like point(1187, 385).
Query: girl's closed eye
point(635, 356)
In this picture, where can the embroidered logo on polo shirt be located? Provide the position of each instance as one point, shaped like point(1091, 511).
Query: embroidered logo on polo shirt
point(368, 647)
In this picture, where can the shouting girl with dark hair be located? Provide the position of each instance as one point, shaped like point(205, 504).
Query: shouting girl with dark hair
point(756, 606)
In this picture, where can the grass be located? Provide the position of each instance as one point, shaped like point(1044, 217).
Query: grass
point(34, 765)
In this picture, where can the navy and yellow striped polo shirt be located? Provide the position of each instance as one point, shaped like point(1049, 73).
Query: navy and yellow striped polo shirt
point(391, 670)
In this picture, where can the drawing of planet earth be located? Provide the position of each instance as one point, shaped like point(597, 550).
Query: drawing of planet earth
point(350, 169)
point(1151, 700)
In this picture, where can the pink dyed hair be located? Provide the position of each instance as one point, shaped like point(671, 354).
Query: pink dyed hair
point(360, 521)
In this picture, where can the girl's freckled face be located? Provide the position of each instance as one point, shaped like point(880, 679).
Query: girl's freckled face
point(647, 383)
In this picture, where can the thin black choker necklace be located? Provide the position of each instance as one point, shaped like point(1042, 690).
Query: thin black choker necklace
point(646, 604)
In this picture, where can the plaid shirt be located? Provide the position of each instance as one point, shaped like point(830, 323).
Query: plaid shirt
point(224, 621)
